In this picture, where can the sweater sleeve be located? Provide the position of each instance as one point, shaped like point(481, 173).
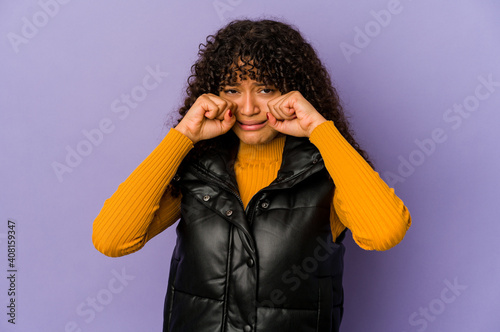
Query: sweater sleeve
point(362, 201)
point(142, 206)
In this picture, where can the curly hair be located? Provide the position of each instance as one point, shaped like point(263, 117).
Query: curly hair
point(270, 52)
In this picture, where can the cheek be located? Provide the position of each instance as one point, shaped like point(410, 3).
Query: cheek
point(263, 105)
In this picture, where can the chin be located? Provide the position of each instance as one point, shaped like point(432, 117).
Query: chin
point(256, 137)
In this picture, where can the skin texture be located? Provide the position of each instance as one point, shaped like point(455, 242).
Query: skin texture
point(256, 112)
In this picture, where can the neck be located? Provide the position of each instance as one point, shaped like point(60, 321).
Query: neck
point(270, 151)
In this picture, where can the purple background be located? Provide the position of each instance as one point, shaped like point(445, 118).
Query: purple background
point(400, 85)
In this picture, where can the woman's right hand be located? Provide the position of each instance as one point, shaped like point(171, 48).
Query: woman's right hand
point(209, 117)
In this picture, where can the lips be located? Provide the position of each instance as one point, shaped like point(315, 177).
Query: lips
point(251, 125)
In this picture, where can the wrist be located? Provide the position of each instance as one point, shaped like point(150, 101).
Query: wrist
point(315, 124)
point(184, 131)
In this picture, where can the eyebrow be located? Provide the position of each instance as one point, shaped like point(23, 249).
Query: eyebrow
point(254, 84)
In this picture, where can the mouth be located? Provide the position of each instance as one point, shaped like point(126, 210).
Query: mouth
point(251, 125)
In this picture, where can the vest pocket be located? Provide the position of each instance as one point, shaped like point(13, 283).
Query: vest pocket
point(192, 313)
point(188, 312)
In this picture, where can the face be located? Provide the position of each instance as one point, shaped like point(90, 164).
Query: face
point(251, 98)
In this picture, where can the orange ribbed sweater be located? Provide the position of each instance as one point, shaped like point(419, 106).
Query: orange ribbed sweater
point(142, 206)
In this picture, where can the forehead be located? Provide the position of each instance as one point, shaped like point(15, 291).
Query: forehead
point(242, 70)
point(236, 75)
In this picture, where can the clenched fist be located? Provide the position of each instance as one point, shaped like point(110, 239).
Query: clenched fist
point(292, 114)
point(209, 117)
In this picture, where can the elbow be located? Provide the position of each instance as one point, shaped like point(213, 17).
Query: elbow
point(378, 243)
point(112, 248)
point(104, 246)
point(112, 243)
point(106, 243)
point(396, 233)
point(391, 241)
point(103, 240)
point(387, 239)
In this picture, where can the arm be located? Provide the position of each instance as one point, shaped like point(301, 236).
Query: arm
point(362, 202)
point(142, 206)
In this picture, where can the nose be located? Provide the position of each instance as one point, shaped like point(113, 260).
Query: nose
point(248, 106)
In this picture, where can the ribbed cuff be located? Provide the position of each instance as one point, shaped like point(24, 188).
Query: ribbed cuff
point(179, 141)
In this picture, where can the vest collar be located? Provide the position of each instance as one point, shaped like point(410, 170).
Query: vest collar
point(300, 159)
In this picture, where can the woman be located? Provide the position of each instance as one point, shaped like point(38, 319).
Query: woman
point(265, 177)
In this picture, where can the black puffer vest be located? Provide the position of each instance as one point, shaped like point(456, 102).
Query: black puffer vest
point(271, 267)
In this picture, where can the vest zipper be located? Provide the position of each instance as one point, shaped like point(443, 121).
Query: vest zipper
point(228, 187)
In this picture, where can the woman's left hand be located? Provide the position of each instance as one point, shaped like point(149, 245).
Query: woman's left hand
point(292, 114)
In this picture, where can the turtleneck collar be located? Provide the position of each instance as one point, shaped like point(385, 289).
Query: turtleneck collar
point(271, 151)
